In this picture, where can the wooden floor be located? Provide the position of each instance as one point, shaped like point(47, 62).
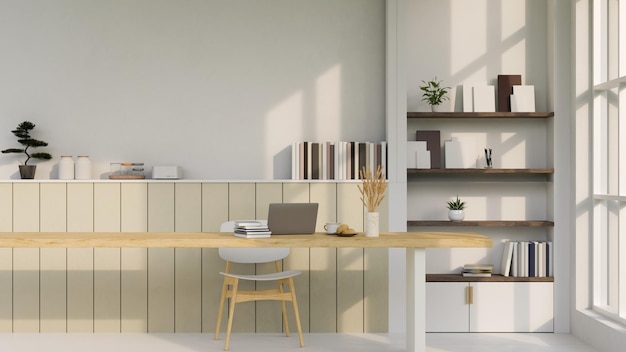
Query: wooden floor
point(277, 343)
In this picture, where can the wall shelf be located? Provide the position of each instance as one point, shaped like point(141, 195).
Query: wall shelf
point(493, 278)
point(479, 115)
point(481, 223)
point(494, 171)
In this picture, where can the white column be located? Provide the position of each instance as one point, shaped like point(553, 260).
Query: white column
point(415, 300)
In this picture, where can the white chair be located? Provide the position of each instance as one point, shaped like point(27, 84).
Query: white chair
point(231, 282)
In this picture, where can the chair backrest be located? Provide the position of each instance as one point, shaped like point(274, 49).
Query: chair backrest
point(250, 255)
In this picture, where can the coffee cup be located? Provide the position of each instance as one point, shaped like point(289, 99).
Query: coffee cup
point(331, 227)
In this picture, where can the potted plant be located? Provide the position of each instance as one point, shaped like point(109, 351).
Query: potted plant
point(434, 93)
point(372, 194)
point(456, 210)
point(22, 132)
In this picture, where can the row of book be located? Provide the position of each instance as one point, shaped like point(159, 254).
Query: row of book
point(477, 270)
point(527, 259)
point(251, 229)
point(336, 160)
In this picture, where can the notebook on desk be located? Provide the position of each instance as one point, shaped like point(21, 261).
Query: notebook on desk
point(292, 218)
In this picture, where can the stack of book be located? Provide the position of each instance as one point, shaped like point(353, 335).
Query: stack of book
point(527, 259)
point(251, 229)
point(477, 270)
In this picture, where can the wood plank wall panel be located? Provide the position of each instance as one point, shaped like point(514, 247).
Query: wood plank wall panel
point(134, 261)
point(349, 263)
point(107, 261)
point(80, 289)
point(339, 290)
point(188, 261)
point(323, 264)
point(161, 218)
point(268, 313)
point(6, 259)
point(214, 213)
point(53, 261)
point(299, 259)
point(241, 205)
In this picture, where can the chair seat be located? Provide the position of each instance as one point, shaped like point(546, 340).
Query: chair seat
point(265, 277)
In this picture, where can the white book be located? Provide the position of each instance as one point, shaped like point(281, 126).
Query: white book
point(507, 256)
point(294, 160)
point(383, 161)
point(523, 259)
point(523, 99)
point(484, 98)
point(541, 259)
point(515, 260)
point(324, 159)
point(256, 235)
point(549, 260)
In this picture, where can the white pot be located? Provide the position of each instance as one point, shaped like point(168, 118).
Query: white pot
point(66, 168)
point(82, 168)
point(372, 224)
point(456, 215)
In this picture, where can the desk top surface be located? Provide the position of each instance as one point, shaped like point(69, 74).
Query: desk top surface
point(227, 239)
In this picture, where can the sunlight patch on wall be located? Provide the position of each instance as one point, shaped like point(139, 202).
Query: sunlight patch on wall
point(468, 42)
point(512, 18)
point(513, 151)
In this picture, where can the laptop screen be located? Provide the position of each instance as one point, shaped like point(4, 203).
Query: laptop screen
point(292, 218)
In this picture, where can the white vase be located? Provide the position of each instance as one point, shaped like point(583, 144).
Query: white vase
point(82, 170)
point(434, 108)
point(66, 168)
point(456, 215)
point(372, 224)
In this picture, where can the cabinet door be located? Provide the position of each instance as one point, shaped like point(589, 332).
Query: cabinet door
point(512, 307)
point(446, 307)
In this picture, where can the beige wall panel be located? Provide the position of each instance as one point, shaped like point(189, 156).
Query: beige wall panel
point(53, 290)
point(188, 261)
point(80, 290)
point(6, 290)
point(188, 284)
point(268, 313)
point(241, 205)
point(161, 218)
point(350, 263)
point(323, 264)
point(214, 213)
point(107, 207)
point(6, 207)
point(53, 207)
point(376, 300)
point(134, 288)
point(80, 207)
point(26, 207)
point(107, 290)
point(298, 258)
point(26, 290)
point(214, 205)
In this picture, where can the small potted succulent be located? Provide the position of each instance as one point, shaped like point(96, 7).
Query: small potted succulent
point(456, 210)
point(434, 93)
point(22, 132)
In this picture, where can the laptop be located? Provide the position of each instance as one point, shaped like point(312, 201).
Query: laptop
point(292, 218)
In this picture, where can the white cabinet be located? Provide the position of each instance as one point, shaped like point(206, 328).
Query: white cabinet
point(489, 307)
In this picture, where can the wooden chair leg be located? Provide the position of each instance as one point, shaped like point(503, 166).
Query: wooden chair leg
point(284, 306)
point(221, 310)
point(231, 312)
point(292, 288)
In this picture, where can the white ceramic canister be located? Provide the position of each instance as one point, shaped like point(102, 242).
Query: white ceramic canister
point(66, 168)
point(83, 168)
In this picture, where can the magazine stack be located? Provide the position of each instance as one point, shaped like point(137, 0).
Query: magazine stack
point(251, 229)
point(477, 270)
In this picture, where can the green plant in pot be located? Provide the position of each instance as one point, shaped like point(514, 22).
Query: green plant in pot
point(434, 93)
point(22, 132)
point(456, 210)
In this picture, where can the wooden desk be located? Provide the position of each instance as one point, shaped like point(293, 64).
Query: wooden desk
point(414, 242)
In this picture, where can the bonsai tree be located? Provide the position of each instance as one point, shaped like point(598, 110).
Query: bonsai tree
point(456, 204)
point(434, 93)
point(22, 132)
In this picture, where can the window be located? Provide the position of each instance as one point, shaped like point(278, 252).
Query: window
point(609, 158)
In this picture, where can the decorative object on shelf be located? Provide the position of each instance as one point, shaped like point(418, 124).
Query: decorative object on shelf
point(434, 93)
point(372, 194)
point(126, 171)
point(456, 210)
point(505, 89)
point(433, 144)
point(523, 99)
point(484, 98)
point(488, 160)
point(417, 155)
point(167, 172)
point(82, 169)
point(66, 168)
point(22, 132)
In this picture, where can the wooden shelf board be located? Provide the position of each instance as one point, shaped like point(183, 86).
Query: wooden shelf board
point(493, 278)
point(476, 171)
point(479, 115)
point(483, 223)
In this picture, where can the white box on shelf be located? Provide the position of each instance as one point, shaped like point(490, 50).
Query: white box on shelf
point(167, 172)
point(468, 95)
point(523, 99)
point(484, 98)
point(411, 154)
point(423, 155)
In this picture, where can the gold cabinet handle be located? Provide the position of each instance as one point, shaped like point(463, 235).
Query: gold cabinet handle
point(469, 295)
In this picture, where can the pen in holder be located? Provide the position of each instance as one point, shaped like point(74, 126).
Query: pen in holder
point(489, 163)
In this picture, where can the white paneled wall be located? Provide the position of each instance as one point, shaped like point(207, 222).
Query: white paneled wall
point(175, 290)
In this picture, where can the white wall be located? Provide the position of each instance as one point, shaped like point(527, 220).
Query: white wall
point(221, 88)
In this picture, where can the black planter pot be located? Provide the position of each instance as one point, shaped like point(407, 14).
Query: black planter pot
point(27, 172)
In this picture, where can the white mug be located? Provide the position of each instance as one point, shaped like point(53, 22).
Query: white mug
point(331, 227)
